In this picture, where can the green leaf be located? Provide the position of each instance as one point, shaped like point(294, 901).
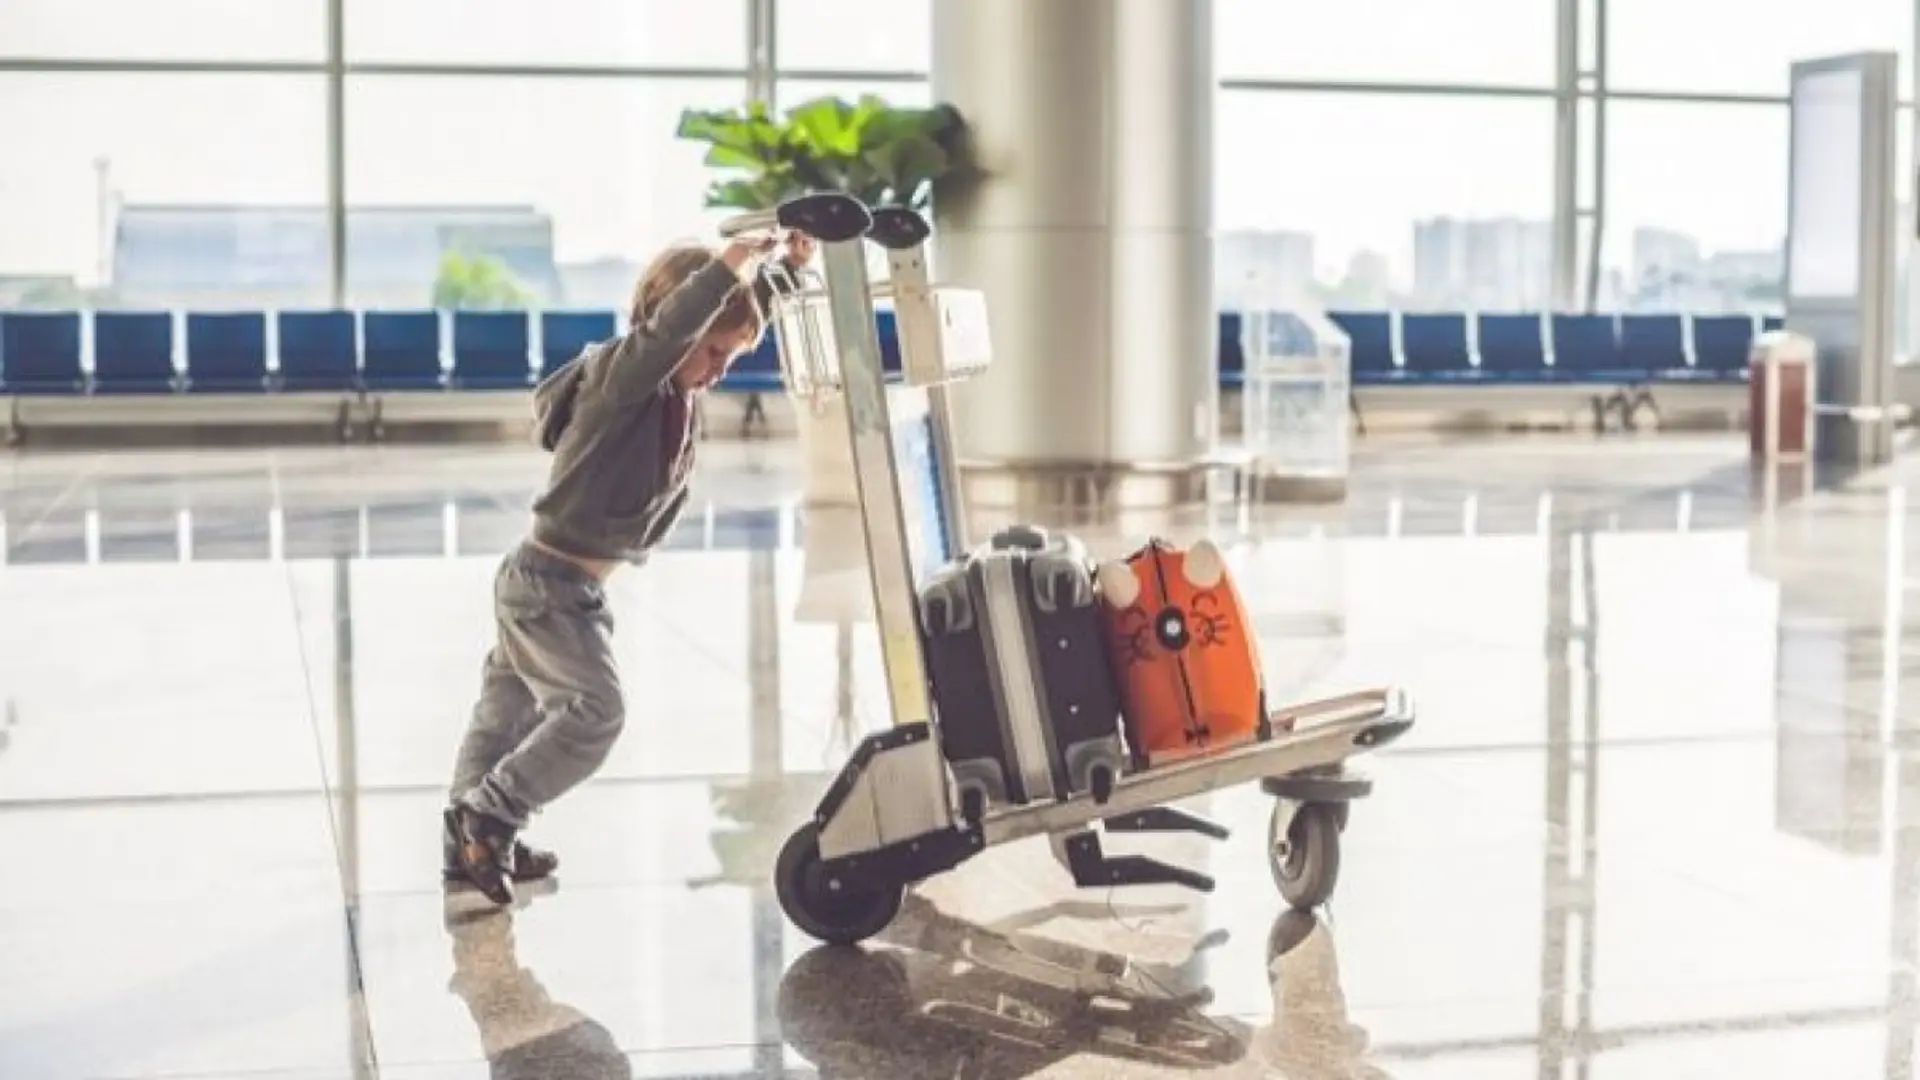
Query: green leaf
point(735, 140)
point(729, 157)
point(867, 148)
point(828, 126)
point(709, 126)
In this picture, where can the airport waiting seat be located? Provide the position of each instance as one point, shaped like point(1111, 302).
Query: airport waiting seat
point(133, 352)
point(758, 371)
point(491, 350)
point(1721, 344)
point(1586, 349)
point(1513, 348)
point(400, 350)
point(226, 353)
point(1435, 347)
point(1232, 354)
point(1370, 345)
point(319, 351)
point(40, 353)
point(565, 334)
point(754, 374)
point(1656, 345)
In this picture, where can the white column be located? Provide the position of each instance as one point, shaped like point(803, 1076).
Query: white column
point(1091, 234)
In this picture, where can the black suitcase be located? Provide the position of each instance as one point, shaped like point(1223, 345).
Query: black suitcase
point(1016, 652)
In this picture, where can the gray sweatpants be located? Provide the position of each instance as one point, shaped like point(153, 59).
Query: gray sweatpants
point(550, 704)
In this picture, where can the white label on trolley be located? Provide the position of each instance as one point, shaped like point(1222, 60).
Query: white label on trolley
point(1018, 681)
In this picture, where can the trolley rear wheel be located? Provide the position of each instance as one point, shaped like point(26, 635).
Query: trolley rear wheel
point(826, 910)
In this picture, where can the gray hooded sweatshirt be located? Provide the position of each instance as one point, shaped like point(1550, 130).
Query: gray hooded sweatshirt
point(621, 433)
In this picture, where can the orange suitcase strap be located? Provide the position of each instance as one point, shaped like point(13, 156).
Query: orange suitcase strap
point(1191, 721)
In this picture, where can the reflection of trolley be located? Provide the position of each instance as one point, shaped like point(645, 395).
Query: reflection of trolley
point(890, 818)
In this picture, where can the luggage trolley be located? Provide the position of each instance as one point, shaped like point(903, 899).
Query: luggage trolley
point(890, 818)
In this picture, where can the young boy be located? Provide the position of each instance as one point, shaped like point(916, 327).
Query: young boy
point(619, 422)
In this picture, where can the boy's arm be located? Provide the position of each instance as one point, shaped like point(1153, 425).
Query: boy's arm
point(649, 354)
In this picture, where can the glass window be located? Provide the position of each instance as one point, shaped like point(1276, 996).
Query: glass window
point(163, 29)
point(854, 35)
point(910, 94)
point(1744, 46)
point(568, 185)
point(1696, 206)
point(1905, 191)
point(1464, 42)
point(162, 190)
point(1433, 202)
point(642, 33)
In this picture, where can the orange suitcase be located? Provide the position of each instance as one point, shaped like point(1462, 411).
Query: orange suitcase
point(1183, 652)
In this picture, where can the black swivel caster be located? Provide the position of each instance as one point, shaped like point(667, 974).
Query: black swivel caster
point(1303, 851)
point(1303, 837)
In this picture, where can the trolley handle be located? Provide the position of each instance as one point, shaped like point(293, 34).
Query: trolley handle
point(897, 228)
point(828, 216)
point(756, 221)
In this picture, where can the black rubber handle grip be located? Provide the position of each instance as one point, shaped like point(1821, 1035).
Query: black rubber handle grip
point(897, 228)
point(829, 217)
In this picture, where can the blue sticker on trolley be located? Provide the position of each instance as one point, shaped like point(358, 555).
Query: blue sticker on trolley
point(922, 507)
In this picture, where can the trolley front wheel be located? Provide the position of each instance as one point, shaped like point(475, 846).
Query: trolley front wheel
point(1303, 850)
point(824, 908)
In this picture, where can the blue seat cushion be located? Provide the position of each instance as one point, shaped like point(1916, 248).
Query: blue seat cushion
point(1513, 348)
point(1721, 344)
point(1586, 349)
point(318, 351)
point(564, 334)
point(1436, 346)
point(40, 352)
point(133, 352)
point(226, 352)
point(401, 350)
point(491, 350)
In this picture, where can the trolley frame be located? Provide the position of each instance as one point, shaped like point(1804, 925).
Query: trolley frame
point(889, 819)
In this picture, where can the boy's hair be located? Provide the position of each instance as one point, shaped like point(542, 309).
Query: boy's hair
point(741, 312)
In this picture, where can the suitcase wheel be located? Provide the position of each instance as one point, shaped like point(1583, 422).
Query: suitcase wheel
point(832, 911)
point(1100, 782)
point(973, 805)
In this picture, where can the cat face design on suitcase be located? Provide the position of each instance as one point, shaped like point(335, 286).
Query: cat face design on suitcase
point(1194, 615)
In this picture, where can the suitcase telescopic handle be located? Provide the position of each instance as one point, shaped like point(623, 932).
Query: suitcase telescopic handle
point(1020, 537)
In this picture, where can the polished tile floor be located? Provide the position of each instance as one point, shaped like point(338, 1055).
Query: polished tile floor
point(1660, 816)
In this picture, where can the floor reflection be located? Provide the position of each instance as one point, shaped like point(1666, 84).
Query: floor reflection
point(1661, 818)
point(525, 1032)
point(938, 996)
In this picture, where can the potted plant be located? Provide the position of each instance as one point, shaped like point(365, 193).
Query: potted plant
point(882, 154)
